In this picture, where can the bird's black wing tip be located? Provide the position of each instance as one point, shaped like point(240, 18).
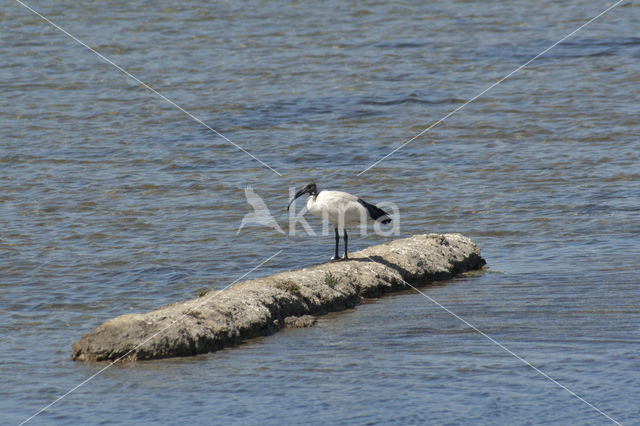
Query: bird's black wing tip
point(375, 212)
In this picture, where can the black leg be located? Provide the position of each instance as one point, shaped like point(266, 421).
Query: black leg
point(346, 240)
point(337, 256)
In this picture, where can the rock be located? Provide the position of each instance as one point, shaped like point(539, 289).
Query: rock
point(300, 322)
point(219, 319)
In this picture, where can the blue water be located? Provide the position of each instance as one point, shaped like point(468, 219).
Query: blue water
point(113, 201)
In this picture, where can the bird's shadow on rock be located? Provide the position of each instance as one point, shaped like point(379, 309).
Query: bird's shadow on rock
point(379, 259)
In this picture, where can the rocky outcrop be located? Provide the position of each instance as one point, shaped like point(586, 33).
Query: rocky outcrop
point(262, 306)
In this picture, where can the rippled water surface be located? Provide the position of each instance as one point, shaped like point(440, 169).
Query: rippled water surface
point(113, 201)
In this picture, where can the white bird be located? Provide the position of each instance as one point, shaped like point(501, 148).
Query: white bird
point(341, 209)
point(260, 214)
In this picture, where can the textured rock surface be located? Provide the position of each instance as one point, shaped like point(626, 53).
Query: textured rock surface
point(300, 322)
point(262, 306)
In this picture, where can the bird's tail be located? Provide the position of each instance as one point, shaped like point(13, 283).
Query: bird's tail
point(375, 212)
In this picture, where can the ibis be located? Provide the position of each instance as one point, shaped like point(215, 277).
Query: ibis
point(341, 209)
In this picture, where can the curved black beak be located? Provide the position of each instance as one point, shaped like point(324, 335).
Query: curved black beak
point(309, 188)
point(299, 194)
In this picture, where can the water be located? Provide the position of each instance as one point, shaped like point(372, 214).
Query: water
point(113, 201)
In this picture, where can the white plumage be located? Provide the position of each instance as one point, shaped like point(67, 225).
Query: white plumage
point(342, 210)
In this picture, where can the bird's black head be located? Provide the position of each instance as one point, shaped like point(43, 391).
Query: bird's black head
point(309, 188)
